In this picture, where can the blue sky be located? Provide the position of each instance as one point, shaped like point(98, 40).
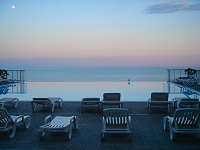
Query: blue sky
point(63, 33)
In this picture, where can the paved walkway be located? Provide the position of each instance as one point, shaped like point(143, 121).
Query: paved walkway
point(147, 130)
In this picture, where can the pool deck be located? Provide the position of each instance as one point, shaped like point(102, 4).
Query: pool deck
point(147, 130)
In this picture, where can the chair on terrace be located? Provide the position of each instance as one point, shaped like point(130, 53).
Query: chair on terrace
point(8, 123)
point(188, 103)
point(13, 101)
point(58, 124)
point(159, 99)
point(194, 82)
point(185, 120)
point(116, 120)
point(46, 101)
point(183, 80)
point(111, 99)
point(90, 101)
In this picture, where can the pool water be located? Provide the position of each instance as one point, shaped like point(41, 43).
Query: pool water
point(75, 91)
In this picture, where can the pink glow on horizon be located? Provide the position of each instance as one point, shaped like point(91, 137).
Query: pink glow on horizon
point(80, 33)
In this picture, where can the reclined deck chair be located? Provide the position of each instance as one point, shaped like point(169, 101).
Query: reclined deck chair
point(13, 101)
point(8, 123)
point(116, 120)
point(193, 82)
point(7, 81)
point(188, 103)
point(111, 99)
point(159, 99)
point(183, 80)
point(58, 124)
point(185, 120)
point(46, 101)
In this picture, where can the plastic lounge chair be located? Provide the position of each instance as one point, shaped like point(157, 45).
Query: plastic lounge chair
point(111, 99)
point(188, 102)
point(193, 81)
point(13, 101)
point(8, 123)
point(185, 120)
point(116, 120)
point(58, 124)
point(183, 80)
point(90, 101)
point(159, 99)
point(5, 81)
point(46, 101)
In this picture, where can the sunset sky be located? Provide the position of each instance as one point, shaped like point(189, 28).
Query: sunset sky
point(62, 33)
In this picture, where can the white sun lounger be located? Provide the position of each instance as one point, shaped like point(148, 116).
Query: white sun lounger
point(46, 101)
point(58, 124)
point(116, 120)
point(185, 120)
point(9, 123)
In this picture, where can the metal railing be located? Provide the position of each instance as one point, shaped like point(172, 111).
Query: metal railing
point(16, 83)
point(173, 74)
point(17, 75)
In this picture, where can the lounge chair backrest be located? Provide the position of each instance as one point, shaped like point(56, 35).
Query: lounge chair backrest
point(91, 99)
point(187, 118)
point(116, 116)
point(189, 102)
point(45, 99)
point(111, 96)
point(189, 99)
point(5, 118)
point(159, 96)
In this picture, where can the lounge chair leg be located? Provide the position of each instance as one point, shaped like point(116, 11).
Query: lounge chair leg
point(130, 137)
point(102, 137)
point(11, 133)
point(41, 135)
point(149, 108)
point(52, 110)
point(26, 121)
point(165, 123)
point(60, 103)
point(34, 107)
point(172, 135)
point(76, 122)
point(69, 131)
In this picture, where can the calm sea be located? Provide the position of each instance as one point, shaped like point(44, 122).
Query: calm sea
point(73, 84)
point(96, 74)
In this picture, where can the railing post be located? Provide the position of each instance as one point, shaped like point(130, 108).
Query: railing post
point(168, 75)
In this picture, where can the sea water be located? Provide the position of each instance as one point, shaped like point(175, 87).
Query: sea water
point(75, 83)
point(96, 74)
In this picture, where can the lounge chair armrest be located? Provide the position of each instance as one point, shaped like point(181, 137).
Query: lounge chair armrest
point(171, 121)
point(149, 100)
point(129, 122)
point(17, 118)
point(48, 119)
point(103, 123)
